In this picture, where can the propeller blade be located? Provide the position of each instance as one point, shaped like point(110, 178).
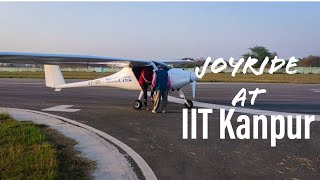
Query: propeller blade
point(193, 89)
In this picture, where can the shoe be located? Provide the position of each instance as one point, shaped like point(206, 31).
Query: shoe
point(147, 109)
point(164, 111)
point(153, 111)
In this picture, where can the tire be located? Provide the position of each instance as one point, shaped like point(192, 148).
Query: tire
point(137, 104)
point(190, 104)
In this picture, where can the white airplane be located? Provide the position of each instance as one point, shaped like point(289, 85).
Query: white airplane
point(127, 78)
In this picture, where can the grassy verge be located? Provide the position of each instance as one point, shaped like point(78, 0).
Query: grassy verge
point(264, 78)
point(67, 75)
point(29, 151)
point(209, 77)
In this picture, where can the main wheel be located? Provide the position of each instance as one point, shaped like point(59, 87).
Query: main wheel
point(137, 104)
point(188, 105)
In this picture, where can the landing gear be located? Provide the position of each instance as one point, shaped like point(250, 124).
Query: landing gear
point(188, 104)
point(137, 104)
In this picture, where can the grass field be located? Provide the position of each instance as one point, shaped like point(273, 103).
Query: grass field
point(29, 151)
point(40, 75)
point(264, 78)
point(209, 77)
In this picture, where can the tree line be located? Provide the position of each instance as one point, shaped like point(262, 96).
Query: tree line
point(260, 53)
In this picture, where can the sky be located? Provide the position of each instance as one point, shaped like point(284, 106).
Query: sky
point(160, 30)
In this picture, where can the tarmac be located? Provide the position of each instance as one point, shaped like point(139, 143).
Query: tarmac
point(157, 138)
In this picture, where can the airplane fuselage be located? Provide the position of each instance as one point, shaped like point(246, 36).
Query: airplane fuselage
point(126, 79)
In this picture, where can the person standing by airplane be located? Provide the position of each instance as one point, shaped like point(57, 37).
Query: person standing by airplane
point(161, 84)
point(145, 80)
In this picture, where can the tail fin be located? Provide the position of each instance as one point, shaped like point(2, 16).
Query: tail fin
point(54, 77)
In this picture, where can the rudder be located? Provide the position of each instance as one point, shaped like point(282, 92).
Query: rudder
point(53, 75)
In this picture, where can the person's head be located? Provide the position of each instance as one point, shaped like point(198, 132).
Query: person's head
point(160, 66)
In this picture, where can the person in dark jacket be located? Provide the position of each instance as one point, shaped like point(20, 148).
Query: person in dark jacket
point(145, 80)
point(161, 84)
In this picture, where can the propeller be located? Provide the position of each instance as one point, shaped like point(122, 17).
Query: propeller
point(193, 89)
point(193, 79)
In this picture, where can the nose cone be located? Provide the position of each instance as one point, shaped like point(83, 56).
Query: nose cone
point(193, 77)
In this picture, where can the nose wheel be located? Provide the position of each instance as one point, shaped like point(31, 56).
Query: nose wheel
point(137, 104)
point(188, 104)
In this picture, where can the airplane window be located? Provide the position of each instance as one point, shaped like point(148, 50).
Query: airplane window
point(165, 66)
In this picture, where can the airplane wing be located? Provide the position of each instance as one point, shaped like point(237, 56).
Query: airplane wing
point(58, 59)
point(175, 61)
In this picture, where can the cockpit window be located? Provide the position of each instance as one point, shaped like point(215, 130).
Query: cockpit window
point(165, 66)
